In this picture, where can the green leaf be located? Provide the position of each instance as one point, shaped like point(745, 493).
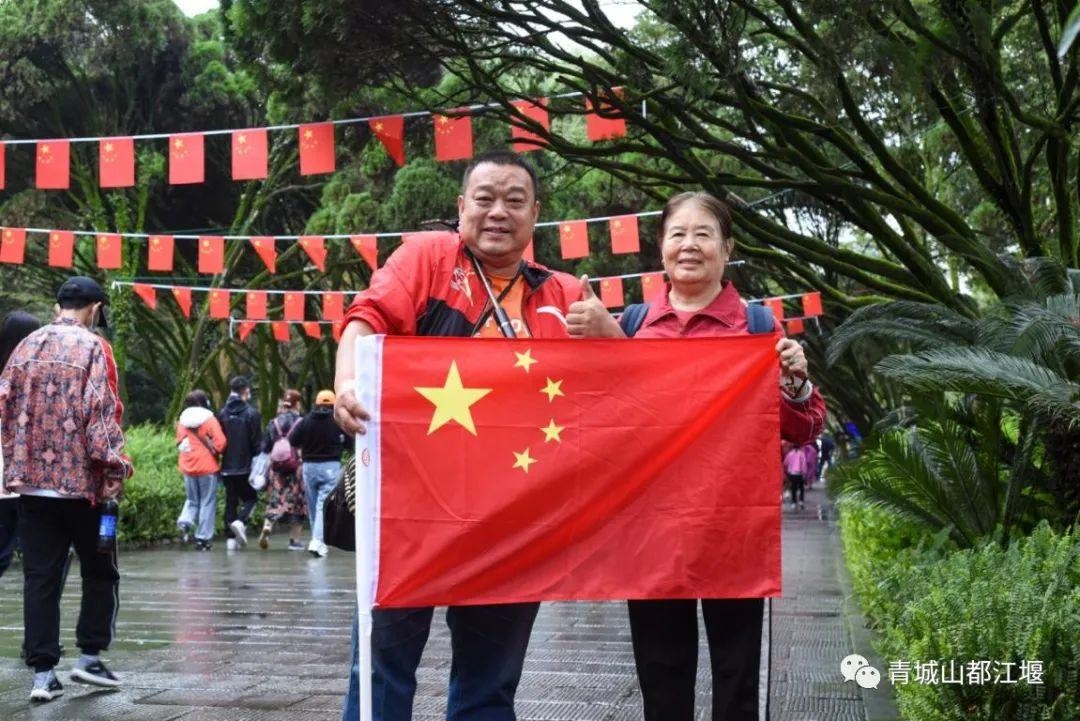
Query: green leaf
point(1068, 35)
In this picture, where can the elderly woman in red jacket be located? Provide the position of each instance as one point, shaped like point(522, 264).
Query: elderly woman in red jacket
point(695, 243)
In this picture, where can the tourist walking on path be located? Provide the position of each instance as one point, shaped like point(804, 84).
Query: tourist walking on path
point(16, 326)
point(199, 441)
point(321, 443)
point(243, 431)
point(795, 470)
point(811, 473)
point(285, 494)
point(695, 243)
point(63, 451)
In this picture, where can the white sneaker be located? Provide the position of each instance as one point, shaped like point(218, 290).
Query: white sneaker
point(240, 530)
point(314, 548)
point(230, 544)
point(323, 550)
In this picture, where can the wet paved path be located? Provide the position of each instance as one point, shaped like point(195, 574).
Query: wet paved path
point(263, 636)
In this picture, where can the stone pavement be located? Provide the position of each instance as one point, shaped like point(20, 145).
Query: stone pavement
point(263, 636)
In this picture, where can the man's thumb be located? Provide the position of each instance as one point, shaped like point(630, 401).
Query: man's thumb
point(586, 288)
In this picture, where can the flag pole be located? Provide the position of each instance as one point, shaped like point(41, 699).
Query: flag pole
point(368, 391)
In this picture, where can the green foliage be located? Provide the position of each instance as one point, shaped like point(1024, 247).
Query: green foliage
point(1000, 604)
point(154, 495)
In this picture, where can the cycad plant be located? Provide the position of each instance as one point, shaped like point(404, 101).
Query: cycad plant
point(988, 441)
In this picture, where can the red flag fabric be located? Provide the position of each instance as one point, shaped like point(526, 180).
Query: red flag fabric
point(795, 326)
point(61, 249)
point(249, 154)
point(116, 162)
point(256, 304)
point(611, 293)
point(183, 299)
point(3, 165)
point(595, 476)
point(315, 247)
point(811, 304)
point(777, 307)
point(525, 140)
point(598, 127)
point(219, 303)
point(335, 330)
point(13, 245)
point(109, 251)
point(316, 148)
point(294, 306)
point(652, 286)
point(453, 137)
point(368, 248)
point(186, 163)
point(211, 254)
point(53, 165)
point(574, 239)
point(147, 293)
point(265, 246)
point(161, 253)
point(313, 329)
point(624, 234)
point(390, 130)
point(333, 306)
point(244, 329)
point(281, 331)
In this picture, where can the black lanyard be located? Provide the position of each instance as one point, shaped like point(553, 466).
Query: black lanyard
point(488, 308)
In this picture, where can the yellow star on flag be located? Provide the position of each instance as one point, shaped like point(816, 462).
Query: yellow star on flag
point(566, 229)
point(524, 360)
point(108, 147)
point(378, 127)
point(178, 143)
point(553, 432)
point(307, 135)
point(44, 149)
point(552, 389)
point(617, 224)
point(241, 139)
point(55, 238)
point(523, 460)
point(443, 120)
point(452, 401)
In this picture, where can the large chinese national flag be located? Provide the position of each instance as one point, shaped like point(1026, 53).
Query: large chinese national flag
point(571, 470)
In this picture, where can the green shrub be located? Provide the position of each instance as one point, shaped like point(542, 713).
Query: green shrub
point(931, 602)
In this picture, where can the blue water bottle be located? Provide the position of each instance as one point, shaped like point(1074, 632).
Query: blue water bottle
point(110, 514)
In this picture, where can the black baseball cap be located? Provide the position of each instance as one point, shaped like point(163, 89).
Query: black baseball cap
point(81, 288)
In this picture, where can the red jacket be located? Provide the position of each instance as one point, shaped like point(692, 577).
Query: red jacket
point(60, 415)
point(428, 287)
point(800, 421)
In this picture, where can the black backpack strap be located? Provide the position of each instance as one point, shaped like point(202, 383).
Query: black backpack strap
point(632, 318)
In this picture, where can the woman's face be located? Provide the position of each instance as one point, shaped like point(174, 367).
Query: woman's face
point(693, 248)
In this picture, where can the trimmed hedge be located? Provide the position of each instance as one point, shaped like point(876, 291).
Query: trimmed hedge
point(929, 602)
point(154, 496)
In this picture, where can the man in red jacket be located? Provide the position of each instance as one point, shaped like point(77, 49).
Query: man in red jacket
point(62, 447)
point(431, 287)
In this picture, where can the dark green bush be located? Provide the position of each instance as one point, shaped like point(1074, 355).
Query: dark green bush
point(988, 603)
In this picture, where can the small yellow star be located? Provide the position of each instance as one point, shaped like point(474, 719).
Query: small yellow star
point(308, 134)
point(552, 432)
point(178, 143)
point(524, 360)
point(523, 460)
point(452, 401)
point(552, 389)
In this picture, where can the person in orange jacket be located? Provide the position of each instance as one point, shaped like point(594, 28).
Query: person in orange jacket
point(199, 440)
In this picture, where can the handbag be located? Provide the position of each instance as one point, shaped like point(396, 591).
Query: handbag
point(339, 510)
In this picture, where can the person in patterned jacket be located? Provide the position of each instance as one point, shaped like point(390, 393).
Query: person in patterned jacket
point(63, 454)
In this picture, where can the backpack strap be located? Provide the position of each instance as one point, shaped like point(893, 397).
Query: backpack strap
point(632, 318)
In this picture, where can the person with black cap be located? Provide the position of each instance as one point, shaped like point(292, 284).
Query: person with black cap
point(63, 454)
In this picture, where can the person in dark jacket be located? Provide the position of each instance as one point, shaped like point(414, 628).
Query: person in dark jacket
point(243, 434)
point(321, 442)
point(16, 326)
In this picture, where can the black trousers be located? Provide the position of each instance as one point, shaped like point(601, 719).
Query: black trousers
point(240, 499)
point(9, 531)
point(797, 483)
point(48, 527)
point(665, 640)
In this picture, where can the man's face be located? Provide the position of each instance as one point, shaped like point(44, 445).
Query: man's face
point(497, 213)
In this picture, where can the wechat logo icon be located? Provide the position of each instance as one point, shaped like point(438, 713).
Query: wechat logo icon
point(856, 668)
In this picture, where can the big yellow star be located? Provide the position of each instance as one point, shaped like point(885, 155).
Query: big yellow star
point(523, 460)
point(524, 360)
point(452, 401)
point(241, 138)
point(108, 147)
point(378, 127)
point(552, 389)
point(178, 143)
point(553, 432)
point(307, 135)
point(44, 149)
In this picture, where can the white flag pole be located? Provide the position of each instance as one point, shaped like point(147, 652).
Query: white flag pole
point(368, 472)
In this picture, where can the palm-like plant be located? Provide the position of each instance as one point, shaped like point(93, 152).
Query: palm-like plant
point(993, 419)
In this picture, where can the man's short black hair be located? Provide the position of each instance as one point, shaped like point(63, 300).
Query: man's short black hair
point(239, 384)
point(74, 303)
point(502, 157)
